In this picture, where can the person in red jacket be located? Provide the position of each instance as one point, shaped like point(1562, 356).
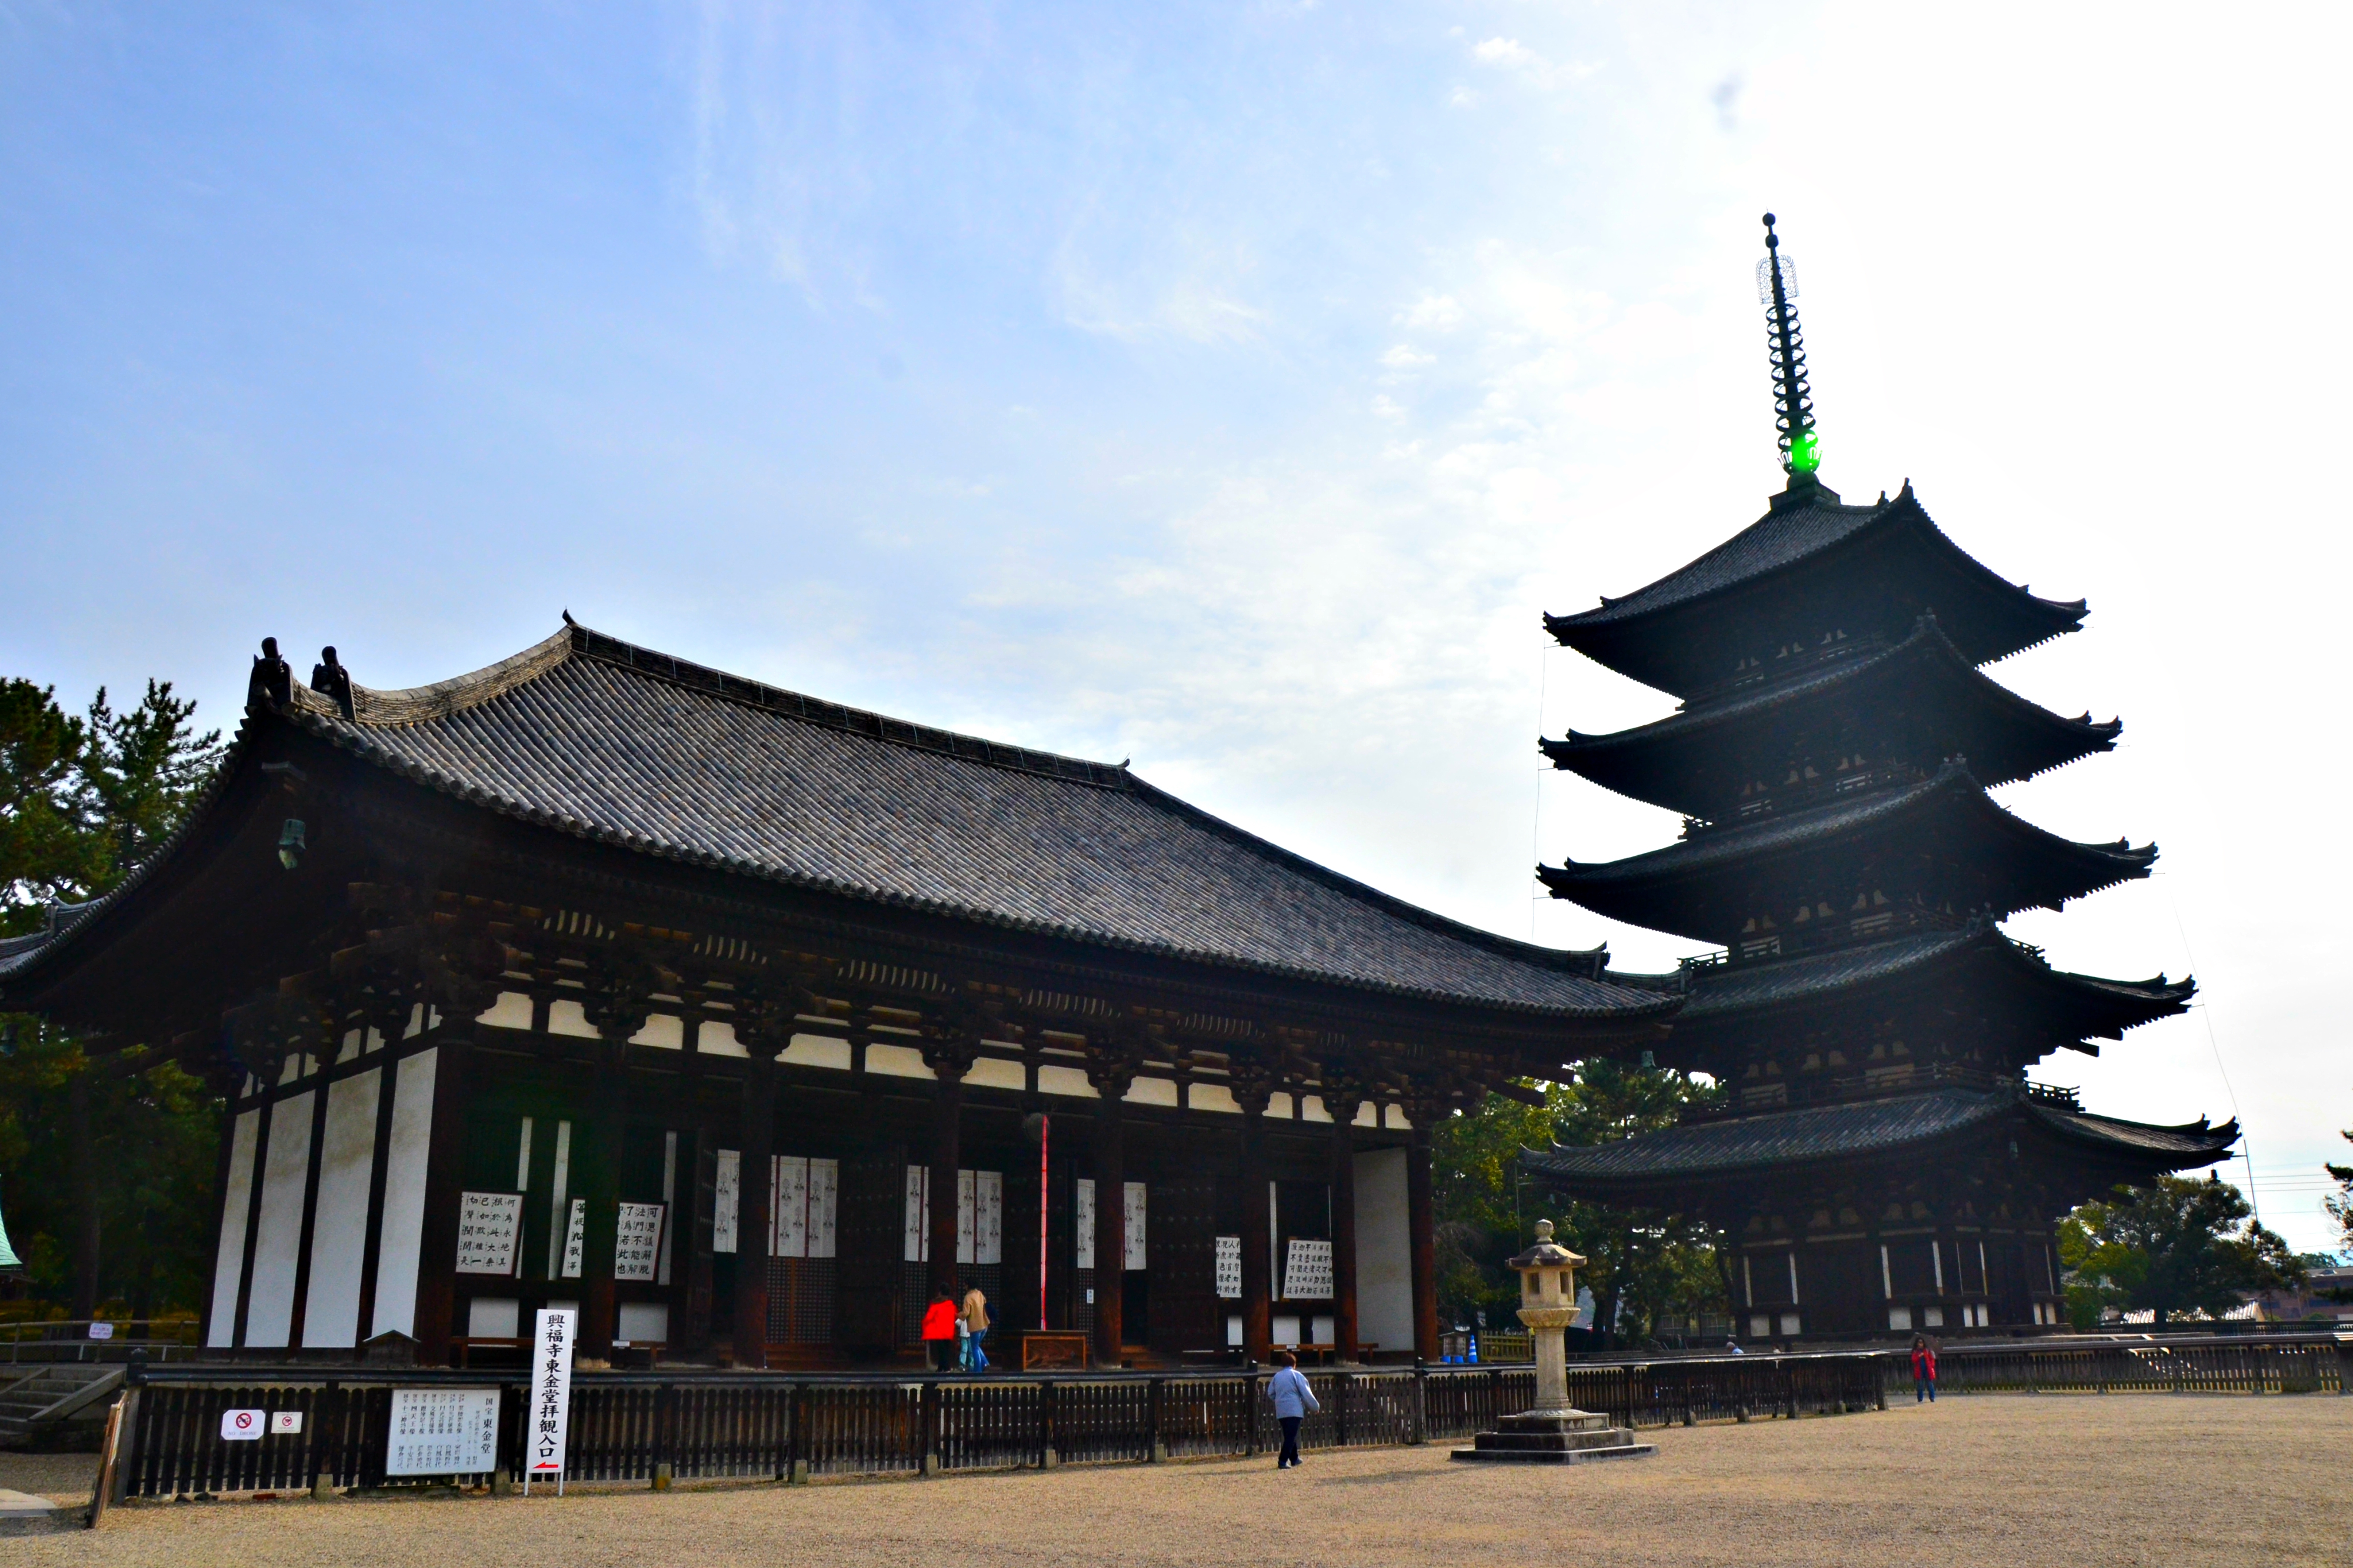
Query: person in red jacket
point(940, 1331)
point(1924, 1370)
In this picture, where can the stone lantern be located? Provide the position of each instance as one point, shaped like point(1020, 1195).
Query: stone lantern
point(1551, 1431)
point(1547, 1306)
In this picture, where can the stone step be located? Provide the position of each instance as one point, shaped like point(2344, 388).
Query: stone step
point(1567, 1440)
point(1552, 1442)
point(1553, 1421)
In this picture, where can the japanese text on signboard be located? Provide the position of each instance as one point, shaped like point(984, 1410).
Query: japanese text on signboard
point(488, 1224)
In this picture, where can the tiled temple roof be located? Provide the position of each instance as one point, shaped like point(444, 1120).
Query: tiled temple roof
point(610, 742)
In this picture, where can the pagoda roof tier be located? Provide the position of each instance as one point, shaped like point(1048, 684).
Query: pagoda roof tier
point(1657, 1167)
point(1941, 844)
point(1811, 566)
point(661, 760)
point(1917, 700)
point(1973, 972)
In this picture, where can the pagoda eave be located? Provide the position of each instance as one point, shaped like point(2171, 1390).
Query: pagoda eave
point(1979, 859)
point(1972, 970)
point(1692, 760)
point(1686, 1162)
point(1666, 633)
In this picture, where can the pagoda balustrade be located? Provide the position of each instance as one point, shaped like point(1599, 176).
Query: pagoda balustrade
point(1907, 1078)
point(1808, 793)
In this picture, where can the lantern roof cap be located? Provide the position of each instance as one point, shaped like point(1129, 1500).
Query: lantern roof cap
point(1547, 1253)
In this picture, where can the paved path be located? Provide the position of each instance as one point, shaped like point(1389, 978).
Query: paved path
point(1986, 1481)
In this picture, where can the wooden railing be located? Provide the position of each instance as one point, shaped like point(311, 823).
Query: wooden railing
point(56, 1339)
point(637, 1425)
point(2279, 1363)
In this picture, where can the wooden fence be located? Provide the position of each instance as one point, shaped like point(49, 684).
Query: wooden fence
point(631, 1427)
point(2233, 1364)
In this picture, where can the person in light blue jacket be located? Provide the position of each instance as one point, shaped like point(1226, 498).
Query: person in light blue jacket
point(1293, 1400)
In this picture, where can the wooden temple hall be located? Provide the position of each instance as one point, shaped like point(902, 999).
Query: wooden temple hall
point(748, 1022)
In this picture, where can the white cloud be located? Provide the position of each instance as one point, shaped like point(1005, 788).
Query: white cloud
point(1432, 313)
point(1405, 356)
point(1511, 55)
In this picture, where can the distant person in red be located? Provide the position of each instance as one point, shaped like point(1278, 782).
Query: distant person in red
point(1924, 1370)
point(940, 1331)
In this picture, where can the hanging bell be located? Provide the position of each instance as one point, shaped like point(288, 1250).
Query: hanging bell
point(289, 843)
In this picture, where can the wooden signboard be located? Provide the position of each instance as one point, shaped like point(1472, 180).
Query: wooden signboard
point(488, 1226)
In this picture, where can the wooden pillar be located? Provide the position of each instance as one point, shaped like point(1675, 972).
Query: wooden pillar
point(1422, 1230)
point(445, 1178)
point(1257, 1242)
point(1111, 1221)
point(755, 1193)
point(598, 1315)
point(1343, 1228)
point(947, 1154)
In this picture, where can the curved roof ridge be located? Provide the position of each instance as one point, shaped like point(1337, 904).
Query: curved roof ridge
point(418, 704)
point(377, 709)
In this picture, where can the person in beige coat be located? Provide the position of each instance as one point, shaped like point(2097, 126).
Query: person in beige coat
point(975, 1328)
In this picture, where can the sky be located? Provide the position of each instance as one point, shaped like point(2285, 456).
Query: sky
point(1231, 388)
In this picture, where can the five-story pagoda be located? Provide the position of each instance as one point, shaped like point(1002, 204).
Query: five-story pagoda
point(1881, 1163)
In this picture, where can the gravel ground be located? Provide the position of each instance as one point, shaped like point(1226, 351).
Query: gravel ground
point(1989, 1481)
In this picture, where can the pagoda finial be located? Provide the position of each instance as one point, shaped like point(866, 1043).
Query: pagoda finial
point(1793, 402)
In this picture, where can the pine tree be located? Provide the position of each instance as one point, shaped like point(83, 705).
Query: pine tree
point(83, 804)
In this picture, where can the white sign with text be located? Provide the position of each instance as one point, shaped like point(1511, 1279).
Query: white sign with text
point(548, 1419)
point(443, 1432)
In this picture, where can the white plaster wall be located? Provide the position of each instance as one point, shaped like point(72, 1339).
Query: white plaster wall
point(716, 1037)
point(1152, 1091)
point(664, 1031)
point(404, 1195)
point(1072, 1081)
point(996, 1072)
point(818, 1051)
point(331, 1314)
point(1383, 1252)
point(285, 1167)
point(1214, 1097)
point(230, 1267)
point(510, 1011)
point(895, 1061)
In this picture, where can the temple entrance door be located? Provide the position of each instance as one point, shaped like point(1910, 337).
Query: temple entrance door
point(871, 1237)
point(1136, 1306)
point(1183, 1267)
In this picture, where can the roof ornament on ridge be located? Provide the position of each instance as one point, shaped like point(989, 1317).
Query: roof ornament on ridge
point(1793, 400)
